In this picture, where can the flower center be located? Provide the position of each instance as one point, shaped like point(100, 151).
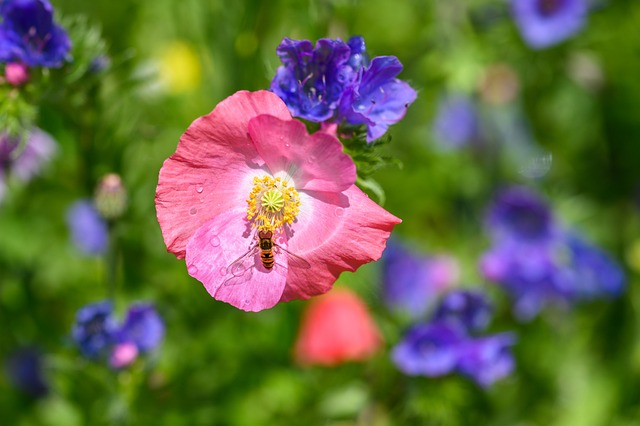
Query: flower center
point(549, 7)
point(272, 203)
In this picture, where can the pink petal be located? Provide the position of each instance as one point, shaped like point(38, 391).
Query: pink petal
point(207, 173)
point(316, 162)
point(334, 233)
point(220, 242)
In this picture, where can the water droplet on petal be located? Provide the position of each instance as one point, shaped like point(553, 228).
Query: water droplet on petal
point(192, 269)
point(246, 301)
point(223, 271)
point(199, 188)
point(214, 241)
point(311, 159)
point(193, 211)
point(286, 145)
point(339, 212)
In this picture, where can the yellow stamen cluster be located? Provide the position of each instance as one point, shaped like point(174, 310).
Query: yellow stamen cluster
point(272, 203)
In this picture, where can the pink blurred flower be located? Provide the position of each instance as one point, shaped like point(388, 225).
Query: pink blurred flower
point(123, 354)
point(16, 73)
point(246, 167)
point(336, 328)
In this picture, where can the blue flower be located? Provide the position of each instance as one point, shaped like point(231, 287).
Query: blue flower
point(311, 80)
point(335, 82)
point(143, 327)
point(95, 329)
point(25, 371)
point(468, 308)
point(592, 272)
point(520, 215)
point(544, 23)
point(431, 350)
point(88, 230)
point(488, 359)
point(412, 282)
point(456, 124)
point(537, 262)
point(29, 35)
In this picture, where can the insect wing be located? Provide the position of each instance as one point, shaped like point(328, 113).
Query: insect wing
point(241, 269)
point(293, 259)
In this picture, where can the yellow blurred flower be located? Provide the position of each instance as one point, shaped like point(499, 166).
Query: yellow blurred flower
point(179, 68)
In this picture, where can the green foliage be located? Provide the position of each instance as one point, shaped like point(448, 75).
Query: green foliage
point(220, 366)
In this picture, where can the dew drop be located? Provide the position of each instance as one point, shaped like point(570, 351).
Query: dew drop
point(223, 271)
point(246, 301)
point(339, 211)
point(193, 211)
point(214, 241)
point(199, 189)
point(192, 269)
point(311, 159)
point(286, 145)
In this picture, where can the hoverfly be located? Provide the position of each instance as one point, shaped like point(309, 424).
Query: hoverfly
point(240, 270)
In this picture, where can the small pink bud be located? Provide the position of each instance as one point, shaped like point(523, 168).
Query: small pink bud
point(16, 73)
point(123, 354)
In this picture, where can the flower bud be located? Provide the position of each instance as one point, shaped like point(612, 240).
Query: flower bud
point(16, 73)
point(111, 197)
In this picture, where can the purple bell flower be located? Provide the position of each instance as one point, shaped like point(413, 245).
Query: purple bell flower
point(311, 80)
point(519, 215)
point(467, 308)
point(94, 329)
point(488, 359)
point(544, 23)
point(29, 35)
point(335, 82)
point(378, 99)
point(429, 350)
point(412, 282)
point(142, 327)
point(89, 231)
point(456, 124)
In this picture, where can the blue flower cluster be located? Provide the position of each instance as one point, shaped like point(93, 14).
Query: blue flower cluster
point(335, 82)
point(450, 343)
point(28, 34)
point(98, 334)
point(538, 262)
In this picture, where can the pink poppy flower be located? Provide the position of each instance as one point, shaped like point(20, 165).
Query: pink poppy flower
point(336, 328)
point(248, 173)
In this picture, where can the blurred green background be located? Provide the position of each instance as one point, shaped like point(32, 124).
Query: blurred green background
point(173, 61)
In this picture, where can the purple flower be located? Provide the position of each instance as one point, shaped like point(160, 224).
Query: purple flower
point(429, 350)
point(469, 309)
point(519, 215)
point(411, 281)
point(25, 371)
point(29, 35)
point(456, 124)
point(378, 99)
point(24, 161)
point(88, 230)
point(334, 81)
point(539, 263)
point(142, 327)
point(544, 23)
point(592, 272)
point(487, 359)
point(440, 348)
point(94, 329)
point(311, 80)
